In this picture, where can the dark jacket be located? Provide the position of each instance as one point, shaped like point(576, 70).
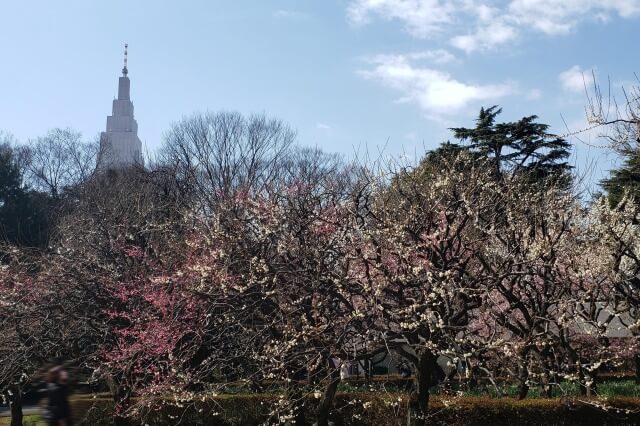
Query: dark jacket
point(58, 403)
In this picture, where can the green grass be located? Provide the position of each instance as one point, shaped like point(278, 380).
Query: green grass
point(619, 388)
point(609, 389)
point(34, 420)
point(100, 405)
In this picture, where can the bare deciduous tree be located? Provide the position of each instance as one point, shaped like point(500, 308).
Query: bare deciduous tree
point(218, 154)
point(60, 159)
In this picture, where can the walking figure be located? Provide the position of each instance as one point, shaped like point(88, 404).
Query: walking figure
point(57, 412)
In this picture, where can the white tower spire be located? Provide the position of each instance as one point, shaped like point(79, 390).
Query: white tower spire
point(119, 145)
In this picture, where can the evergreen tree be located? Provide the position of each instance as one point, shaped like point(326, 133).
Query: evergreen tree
point(10, 175)
point(625, 179)
point(523, 146)
point(446, 152)
point(24, 214)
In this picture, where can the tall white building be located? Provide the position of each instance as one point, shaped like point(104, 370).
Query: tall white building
point(120, 146)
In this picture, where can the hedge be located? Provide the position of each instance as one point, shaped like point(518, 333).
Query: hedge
point(377, 409)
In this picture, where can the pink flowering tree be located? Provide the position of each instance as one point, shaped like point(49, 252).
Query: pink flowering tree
point(41, 321)
point(22, 323)
point(125, 227)
point(262, 296)
point(288, 249)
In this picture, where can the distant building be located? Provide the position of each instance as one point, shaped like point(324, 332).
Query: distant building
point(120, 146)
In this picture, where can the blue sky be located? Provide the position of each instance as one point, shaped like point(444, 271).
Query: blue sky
point(347, 74)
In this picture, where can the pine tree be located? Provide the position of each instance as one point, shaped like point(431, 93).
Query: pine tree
point(10, 175)
point(523, 146)
point(623, 180)
point(24, 214)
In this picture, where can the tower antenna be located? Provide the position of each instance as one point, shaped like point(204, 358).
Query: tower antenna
point(125, 71)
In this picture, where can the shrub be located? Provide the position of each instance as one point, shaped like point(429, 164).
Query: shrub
point(372, 409)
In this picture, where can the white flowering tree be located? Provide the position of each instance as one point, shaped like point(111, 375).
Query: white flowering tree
point(416, 263)
point(524, 261)
point(288, 249)
point(616, 235)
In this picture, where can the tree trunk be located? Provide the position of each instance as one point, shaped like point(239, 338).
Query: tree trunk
point(586, 380)
point(547, 389)
point(581, 381)
point(636, 360)
point(549, 377)
point(591, 386)
point(15, 402)
point(427, 373)
point(474, 372)
point(576, 363)
point(523, 377)
point(322, 414)
point(367, 367)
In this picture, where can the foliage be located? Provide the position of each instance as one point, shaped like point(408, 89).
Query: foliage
point(241, 262)
point(523, 146)
point(24, 217)
point(373, 409)
point(624, 180)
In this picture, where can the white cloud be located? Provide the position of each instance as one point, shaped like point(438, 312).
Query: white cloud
point(575, 79)
point(485, 37)
point(323, 126)
point(437, 56)
point(493, 25)
point(560, 17)
point(422, 18)
point(435, 92)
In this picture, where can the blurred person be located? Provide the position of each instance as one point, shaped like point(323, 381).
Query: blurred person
point(57, 412)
